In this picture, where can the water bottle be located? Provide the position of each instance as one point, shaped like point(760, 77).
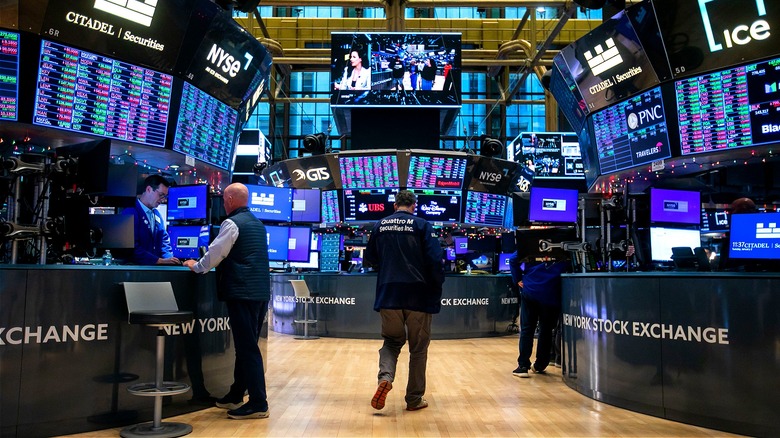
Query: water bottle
point(468, 269)
point(107, 258)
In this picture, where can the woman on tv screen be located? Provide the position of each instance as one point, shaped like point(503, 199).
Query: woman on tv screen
point(356, 77)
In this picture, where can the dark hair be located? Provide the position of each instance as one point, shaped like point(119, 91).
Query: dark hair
point(154, 182)
point(360, 51)
point(405, 198)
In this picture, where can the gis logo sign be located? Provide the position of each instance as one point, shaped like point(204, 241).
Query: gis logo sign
point(137, 11)
point(742, 34)
point(605, 57)
point(313, 175)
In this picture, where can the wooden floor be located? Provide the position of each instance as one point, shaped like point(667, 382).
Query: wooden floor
point(324, 387)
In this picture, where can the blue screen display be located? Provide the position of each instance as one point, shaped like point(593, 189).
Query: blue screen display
point(306, 206)
point(187, 202)
point(272, 204)
point(299, 244)
point(186, 239)
point(755, 236)
point(553, 205)
point(277, 243)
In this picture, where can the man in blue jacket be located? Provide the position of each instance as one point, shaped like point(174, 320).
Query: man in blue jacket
point(407, 255)
point(152, 243)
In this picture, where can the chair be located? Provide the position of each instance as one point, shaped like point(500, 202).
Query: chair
point(153, 304)
point(302, 293)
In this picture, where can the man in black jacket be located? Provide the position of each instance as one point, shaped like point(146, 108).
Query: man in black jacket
point(407, 255)
point(240, 254)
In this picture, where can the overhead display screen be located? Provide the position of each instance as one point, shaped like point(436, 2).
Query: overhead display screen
point(93, 94)
point(492, 175)
point(368, 205)
point(631, 133)
point(147, 32)
point(330, 207)
point(439, 206)
point(436, 172)
point(734, 108)
point(565, 91)
point(484, 209)
point(706, 35)
point(206, 128)
point(270, 203)
point(609, 63)
point(550, 155)
point(9, 75)
point(368, 172)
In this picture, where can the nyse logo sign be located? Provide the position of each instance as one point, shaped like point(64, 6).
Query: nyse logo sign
point(604, 58)
point(137, 11)
point(553, 204)
point(742, 34)
point(226, 62)
point(313, 175)
point(676, 206)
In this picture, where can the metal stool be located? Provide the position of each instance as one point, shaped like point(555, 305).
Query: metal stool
point(302, 292)
point(153, 304)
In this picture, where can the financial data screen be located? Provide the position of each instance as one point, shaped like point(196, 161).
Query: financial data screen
point(431, 172)
point(330, 206)
point(9, 75)
point(484, 209)
point(369, 172)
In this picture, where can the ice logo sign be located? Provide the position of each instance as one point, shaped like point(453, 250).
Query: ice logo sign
point(604, 59)
point(137, 11)
point(741, 34)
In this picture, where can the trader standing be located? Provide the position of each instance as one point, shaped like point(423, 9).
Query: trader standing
point(406, 252)
point(152, 243)
point(240, 254)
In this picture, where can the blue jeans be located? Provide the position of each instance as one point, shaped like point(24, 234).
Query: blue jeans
point(246, 319)
point(531, 313)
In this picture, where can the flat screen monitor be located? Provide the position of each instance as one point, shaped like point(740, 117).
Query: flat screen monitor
point(484, 209)
point(9, 72)
point(528, 242)
point(273, 204)
point(277, 242)
point(436, 172)
point(369, 205)
point(368, 171)
point(631, 133)
point(549, 155)
point(330, 207)
point(461, 245)
point(715, 220)
point(93, 94)
point(91, 174)
point(755, 236)
point(299, 244)
point(675, 206)
point(395, 69)
point(188, 202)
point(553, 205)
point(205, 128)
point(503, 262)
point(113, 231)
point(565, 91)
point(312, 264)
point(306, 206)
point(439, 206)
point(186, 240)
point(662, 240)
point(450, 254)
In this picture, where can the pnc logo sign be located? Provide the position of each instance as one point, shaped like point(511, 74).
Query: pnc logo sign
point(635, 120)
point(137, 11)
point(741, 34)
point(314, 174)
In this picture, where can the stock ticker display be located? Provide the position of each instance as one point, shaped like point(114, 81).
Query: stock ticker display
point(632, 133)
point(9, 75)
point(330, 207)
point(431, 172)
point(369, 172)
point(206, 128)
point(484, 209)
point(733, 108)
point(84, 92)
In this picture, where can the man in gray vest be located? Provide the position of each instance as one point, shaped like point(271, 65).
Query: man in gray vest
point(240, 254)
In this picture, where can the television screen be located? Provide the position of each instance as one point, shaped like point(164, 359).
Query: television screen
point(436, 172)
point(395, 69)
point(675, 206)
point(114, 231)
point(631, 133)
point(484, 209)
point(299, 244)
point(205, 128)
point(330, 207)
point(306, 206)
point(754, 236)
point(566, 94)
point(368, 172)
point(735, 108)
point(492, 175)
point(461, 245)
point(714, 220)
point(315, 172)
point(272, 204)
point(662, 240)
point(450, 254)
point(277, 243)
point(186, 240)
point(91, 174)
point(313, 263)
point(188, 202)
point(503, 262)
point(553, 205)
point(9, 75)
point(369, 205)
point(94, 94)
point(439, 206)
point(549, 155)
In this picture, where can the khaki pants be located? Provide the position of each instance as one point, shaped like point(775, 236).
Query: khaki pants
point(397, 327)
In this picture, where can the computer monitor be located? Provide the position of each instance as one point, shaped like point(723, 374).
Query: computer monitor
point(312, 264)
point(112, 231)
point(273, 204)
point(186, 240)
point(461, 245)
point(188, 203)
point(553, 205)
point(675, 206)
point(755, 236)
point(662, 240)
point(306, 206)
point(288, 244)
point(503, 262)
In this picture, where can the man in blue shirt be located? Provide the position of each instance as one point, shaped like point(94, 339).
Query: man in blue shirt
point(152, 243)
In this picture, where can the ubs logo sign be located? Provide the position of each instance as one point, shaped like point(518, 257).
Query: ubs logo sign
point(742, 34)
point(313, 175)
point(137, 11)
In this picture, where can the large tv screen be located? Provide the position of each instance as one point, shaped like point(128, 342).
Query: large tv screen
point(368, 205)
point(273, 204)
point(188, 202)
point(306, 206)
point(484, 209)
point(186, 240)
point(368, 171)
point(553, 205)
point(662, 240)
point(549, 155)
point(331, 213)
point(754, 236)
point(632, 133)
point(436, 171)
point(439, 206)
point(9, 75)
point(395, 69)
point(675, 206)
point(93, 94)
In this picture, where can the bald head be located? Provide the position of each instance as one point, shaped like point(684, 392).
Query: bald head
point(236, 195)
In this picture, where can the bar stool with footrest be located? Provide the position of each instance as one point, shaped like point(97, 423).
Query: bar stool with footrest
point(302, 292)
point(153, 304)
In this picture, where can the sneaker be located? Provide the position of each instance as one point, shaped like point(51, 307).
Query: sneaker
point(422, 404)
point(521, 372)
point(246, 412)
point(537, 370)
point(378, 401)
point(228, 403)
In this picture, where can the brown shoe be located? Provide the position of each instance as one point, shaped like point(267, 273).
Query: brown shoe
point(422, 404)
point(378, 402)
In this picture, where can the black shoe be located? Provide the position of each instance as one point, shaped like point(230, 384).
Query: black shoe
point(521, 372)
point(203, 400)
point(537, 370)
point(247, 412)
point(229, 403)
